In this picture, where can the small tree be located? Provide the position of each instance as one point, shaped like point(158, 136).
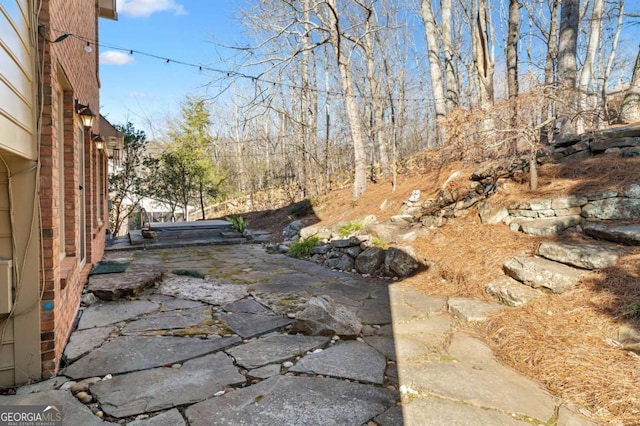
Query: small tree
point(125, 182)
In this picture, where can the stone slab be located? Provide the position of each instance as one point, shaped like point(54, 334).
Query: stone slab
point(73, 411)
point(581, 255)
point(624, 234)
point(107, 313)
point(300, 401)
point(478, 379)
point(428, 411)
point(274, 349)
point(382, 344)
point(83, 341)
point(165, 387)
point(248, 306)
point(169, 320)
point(168, 418)
point(511, 292)
point(265, 372)
point(42, 386)
point(374, 311)
point(170, 303)
point(132, 353)
point(349, 360)
point(468, 310)
point(252, 325)
point(543, 273)
point(415, 339)
point(212, 292)
point(545, 227)
point(129, 283)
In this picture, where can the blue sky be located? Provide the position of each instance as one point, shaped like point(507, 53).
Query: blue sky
point(139, 88)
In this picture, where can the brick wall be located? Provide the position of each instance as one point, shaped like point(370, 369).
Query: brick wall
point(70, 73)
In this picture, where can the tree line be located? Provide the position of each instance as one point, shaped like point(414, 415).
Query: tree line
point(334, 91)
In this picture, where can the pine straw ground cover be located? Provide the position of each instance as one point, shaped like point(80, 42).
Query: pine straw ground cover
point(560, 341)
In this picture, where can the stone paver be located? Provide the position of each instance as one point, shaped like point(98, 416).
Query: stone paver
point(181, 318)
point(294, 401)
point(349, 360)
point(248, 325)
point(168, 418)
point(133, 353)
point(468, 310)
point(101, 314)
point(83, 341)
point(116, 286)
point(160, 388)
point(273, 349)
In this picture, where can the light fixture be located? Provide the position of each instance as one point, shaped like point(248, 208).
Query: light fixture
point(98, 140)
point(86, 115)
point(88, 48)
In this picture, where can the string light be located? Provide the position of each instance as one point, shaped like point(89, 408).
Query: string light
point(229, 73)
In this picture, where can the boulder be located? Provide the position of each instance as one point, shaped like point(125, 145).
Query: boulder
point(292, 230)
point(322, 316)
point(618, 233)
point(491, 214)
point(397, 232)
point(370, 261)
point(319, 231)
point(543, 273)
point(343, 263)
point(400, 262)
point(612, 208)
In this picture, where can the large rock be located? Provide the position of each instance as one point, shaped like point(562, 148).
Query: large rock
point(511, 292)
point(370, 261)
point(322, 316)
point(400, 262)
point(582, 255)
point(625, 234)
point(604, 144)
point(491, 214)
point(469, 310)
point(396, 232)
point(342, 263)
point(612, 208)
point(537, 272)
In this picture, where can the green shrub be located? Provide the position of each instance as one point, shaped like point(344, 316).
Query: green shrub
point(238, 223)
point(377, 242)
point(302, 248)
point(349, 228)
point(301, 209)
point(188, 273)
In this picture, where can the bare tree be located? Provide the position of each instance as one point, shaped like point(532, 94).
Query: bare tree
point(586, 74)
point(630, 111)
point(451, 80)
point(567, 62)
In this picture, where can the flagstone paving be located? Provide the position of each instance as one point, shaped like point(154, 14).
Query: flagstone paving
point(217, 351)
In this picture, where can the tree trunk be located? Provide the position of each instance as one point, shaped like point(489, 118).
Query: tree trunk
point(512, 48)
point(482, 57)
point(567, 64)
point(437, 86)
point(451, 90)
point(612, 55)
point(353, 113)
point(630, 111)
point(586, 74)
point(552, 44)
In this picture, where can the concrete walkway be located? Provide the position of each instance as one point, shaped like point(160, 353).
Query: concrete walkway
point(215, 351)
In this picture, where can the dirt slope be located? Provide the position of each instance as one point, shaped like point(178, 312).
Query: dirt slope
point(559, 341)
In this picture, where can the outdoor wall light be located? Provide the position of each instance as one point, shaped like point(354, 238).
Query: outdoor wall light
point(86, 115)
point(98, 140)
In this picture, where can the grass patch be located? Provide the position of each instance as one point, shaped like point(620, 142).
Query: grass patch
point(302, 248)
point(347, 229)
point(188, 273)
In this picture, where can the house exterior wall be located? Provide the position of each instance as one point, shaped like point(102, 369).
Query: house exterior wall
point(55, 165)
point(19, 220)
point(70, 74)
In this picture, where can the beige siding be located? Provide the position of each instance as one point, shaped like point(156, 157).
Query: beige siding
point(17, 125)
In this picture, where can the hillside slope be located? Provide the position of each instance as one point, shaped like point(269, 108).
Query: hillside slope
point(562, 341)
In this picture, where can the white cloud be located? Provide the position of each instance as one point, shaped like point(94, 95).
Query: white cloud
point(145, 8)
point(111, 57)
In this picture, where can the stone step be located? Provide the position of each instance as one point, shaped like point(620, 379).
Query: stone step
point(628, 234)
point(511, 292)
point(582, 255)
point(543, 273)
point(544, 227)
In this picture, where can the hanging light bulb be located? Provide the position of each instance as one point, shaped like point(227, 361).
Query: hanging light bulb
point(88, 48)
